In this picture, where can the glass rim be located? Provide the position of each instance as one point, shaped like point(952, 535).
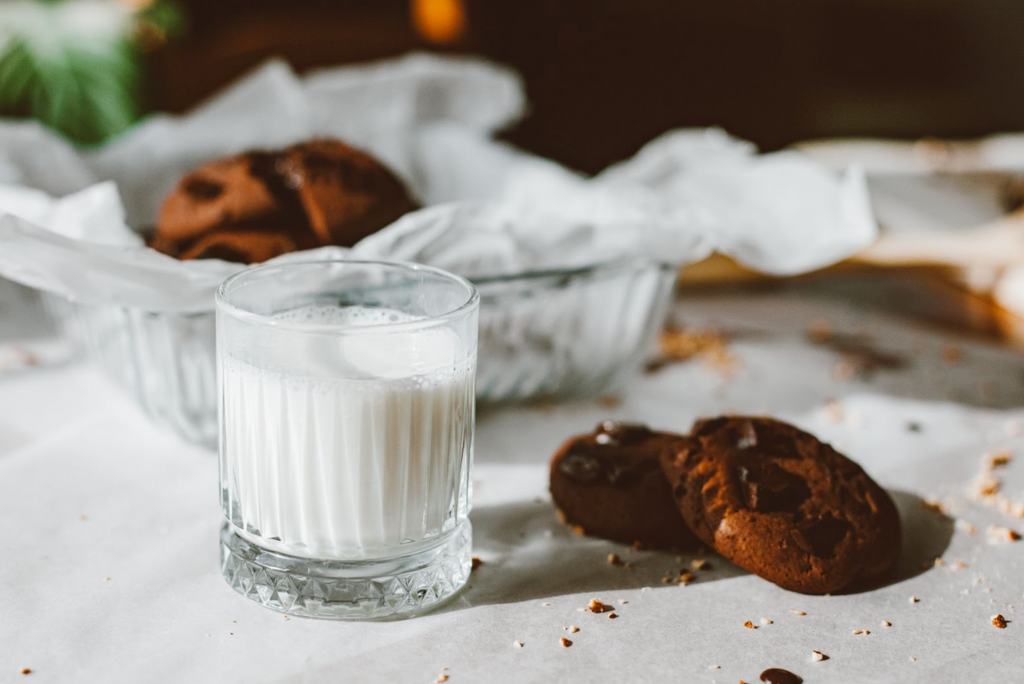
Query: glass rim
point(597, 268)
point(224, 305)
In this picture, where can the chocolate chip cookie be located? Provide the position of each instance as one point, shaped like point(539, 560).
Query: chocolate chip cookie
point(255, 206)
point(610, 484)
point(783, 505)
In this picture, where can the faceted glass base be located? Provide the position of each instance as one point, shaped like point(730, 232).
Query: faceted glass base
point(348, 590)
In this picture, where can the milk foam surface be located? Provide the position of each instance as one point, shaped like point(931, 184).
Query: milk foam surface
point(348, 446)
point(356, 316)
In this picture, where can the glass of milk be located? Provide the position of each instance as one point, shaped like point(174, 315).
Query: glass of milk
point(346, 435)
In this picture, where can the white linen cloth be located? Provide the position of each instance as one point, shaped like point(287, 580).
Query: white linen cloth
point(108, 531)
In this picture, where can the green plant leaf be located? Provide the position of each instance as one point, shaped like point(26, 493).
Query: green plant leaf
point(86, 90)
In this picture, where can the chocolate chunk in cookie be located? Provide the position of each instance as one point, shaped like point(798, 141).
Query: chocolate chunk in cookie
point(783, 505)
point(610, 484)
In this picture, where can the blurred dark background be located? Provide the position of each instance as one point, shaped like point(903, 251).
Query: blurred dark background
point(605, 76)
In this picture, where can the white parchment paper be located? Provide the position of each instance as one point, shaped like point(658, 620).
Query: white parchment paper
point(109, 527)
point(490, 208)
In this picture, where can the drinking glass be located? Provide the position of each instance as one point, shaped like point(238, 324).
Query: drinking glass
point(346, 435)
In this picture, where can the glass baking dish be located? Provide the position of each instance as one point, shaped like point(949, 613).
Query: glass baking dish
point(556, 334)
point(569, 333)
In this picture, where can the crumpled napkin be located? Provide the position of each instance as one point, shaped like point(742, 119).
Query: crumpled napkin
point(684, 195)
point(490, 208)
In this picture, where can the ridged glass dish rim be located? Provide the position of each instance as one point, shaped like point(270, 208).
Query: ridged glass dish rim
point(570, 275)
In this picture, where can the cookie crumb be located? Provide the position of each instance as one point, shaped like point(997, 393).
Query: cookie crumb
point(517, 644)
point(958, 565)
point(818, 656)
point(476, 562)
point(998, 459)
point(639, 546)
point(441, 678)
point(749, 625)
point(699, 564)
point(766, 621)
point(545, 605)
point(998, 621)
point(26, 670)
point(710, 346)
point(913, 659)
point(939, 562)
point(820, 331)
point(952, 354)
point(858, 631)
point(914, 599)
point(572, 629)
point(287, 618)
point(596, 606)
point(564, 642)
point(613, 559)
point(886, 623)
point(714, 667)
point(107, 578)
point(684, 577)
point(987, 388)
point(1013, 509)
point(82, 518)
point(797, 612)
point(985, 486)
point(612, 616)
point(966, 526)
point(997, 534)
point(623, 602)
point(578, 530)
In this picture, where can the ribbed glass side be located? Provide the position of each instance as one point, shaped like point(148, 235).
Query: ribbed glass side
point(164, 360)
point(557, 336)
point(343, 468)
point(569, 335)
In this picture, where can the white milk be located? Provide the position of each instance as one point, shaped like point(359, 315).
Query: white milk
point(348, 446)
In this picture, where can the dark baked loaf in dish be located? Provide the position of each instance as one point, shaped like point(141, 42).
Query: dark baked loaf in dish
point(258, 205)
point(610, 484)
point(783, 505)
